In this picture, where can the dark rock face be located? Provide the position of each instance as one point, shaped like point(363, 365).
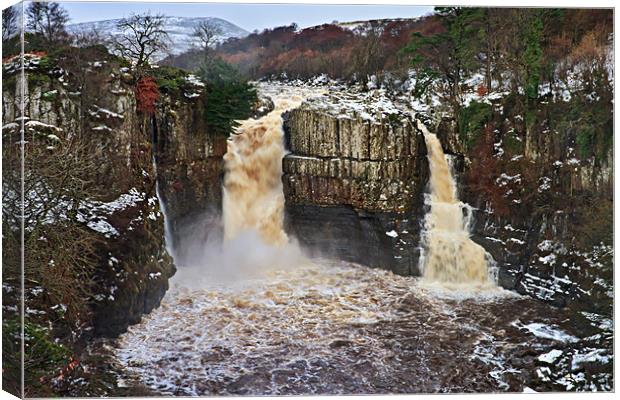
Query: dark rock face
point(190, 169)
point(135, 270)
point(354, 188)
point(546, 220)
point(343, 232)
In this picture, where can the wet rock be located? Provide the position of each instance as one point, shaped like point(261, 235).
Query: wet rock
point(354, 187)
point(264, 105)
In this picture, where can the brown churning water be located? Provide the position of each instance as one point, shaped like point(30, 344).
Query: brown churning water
point(253, 199)
point(450, 256)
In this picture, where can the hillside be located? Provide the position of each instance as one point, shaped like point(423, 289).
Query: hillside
point(337, 49)
point(179, 30)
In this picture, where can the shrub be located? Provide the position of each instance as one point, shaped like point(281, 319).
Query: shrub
point(37, 79)
point(228, 97)
point(147, 94)
point(49, 96)
point(43, 358)
point(169, 79)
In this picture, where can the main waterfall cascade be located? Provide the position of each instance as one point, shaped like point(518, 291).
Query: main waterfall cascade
point(450, 257)
point(254, 243)
point(252, 195)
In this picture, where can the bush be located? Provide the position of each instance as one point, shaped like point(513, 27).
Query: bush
point(228, 97)
point(43, 359)
point(170, 80)
point(147, 94)
point(37, 79)
point(49, 96)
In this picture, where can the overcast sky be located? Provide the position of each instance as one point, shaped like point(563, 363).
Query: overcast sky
point(247, 16)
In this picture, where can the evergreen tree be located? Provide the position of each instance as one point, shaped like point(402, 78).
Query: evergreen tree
point(451, 53)
point(229, 97)
point(533, 55)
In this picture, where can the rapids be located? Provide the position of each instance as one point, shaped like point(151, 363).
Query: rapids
point(332, 327)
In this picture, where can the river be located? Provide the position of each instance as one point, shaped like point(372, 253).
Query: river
point(256, 316)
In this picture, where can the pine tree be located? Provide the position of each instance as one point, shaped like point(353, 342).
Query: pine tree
point(533, 55)
point(451, 53)
point(229, 97)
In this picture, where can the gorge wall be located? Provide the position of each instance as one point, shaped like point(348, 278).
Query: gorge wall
point(354, 184)
point(122, 211)
point(190, 172)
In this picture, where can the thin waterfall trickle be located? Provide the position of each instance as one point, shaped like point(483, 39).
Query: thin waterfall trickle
point(162, 206)
point(449, 254)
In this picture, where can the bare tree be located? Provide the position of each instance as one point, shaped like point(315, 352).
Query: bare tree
point(368, 53)
point(9, 22)
point(143, 36)
point(47, 19)
point(207, 35)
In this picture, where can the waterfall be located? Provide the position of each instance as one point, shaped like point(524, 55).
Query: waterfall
point(162, 206)
point(254, 242)
point(253, 199)
point(449, 255)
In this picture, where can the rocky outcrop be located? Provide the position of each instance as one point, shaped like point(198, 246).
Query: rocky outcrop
point(354, 186)
point(190, 170)
point(132, 267)
point(544, 213)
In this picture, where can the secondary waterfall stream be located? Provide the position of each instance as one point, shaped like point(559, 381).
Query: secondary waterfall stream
point(451, 257)
point(253, 316)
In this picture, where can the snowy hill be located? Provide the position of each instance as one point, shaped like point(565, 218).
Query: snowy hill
point(179, 29)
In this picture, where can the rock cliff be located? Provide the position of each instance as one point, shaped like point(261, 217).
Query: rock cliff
point(132, 266)
point(190, 171)
point(355, 179)
point(354, 186)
